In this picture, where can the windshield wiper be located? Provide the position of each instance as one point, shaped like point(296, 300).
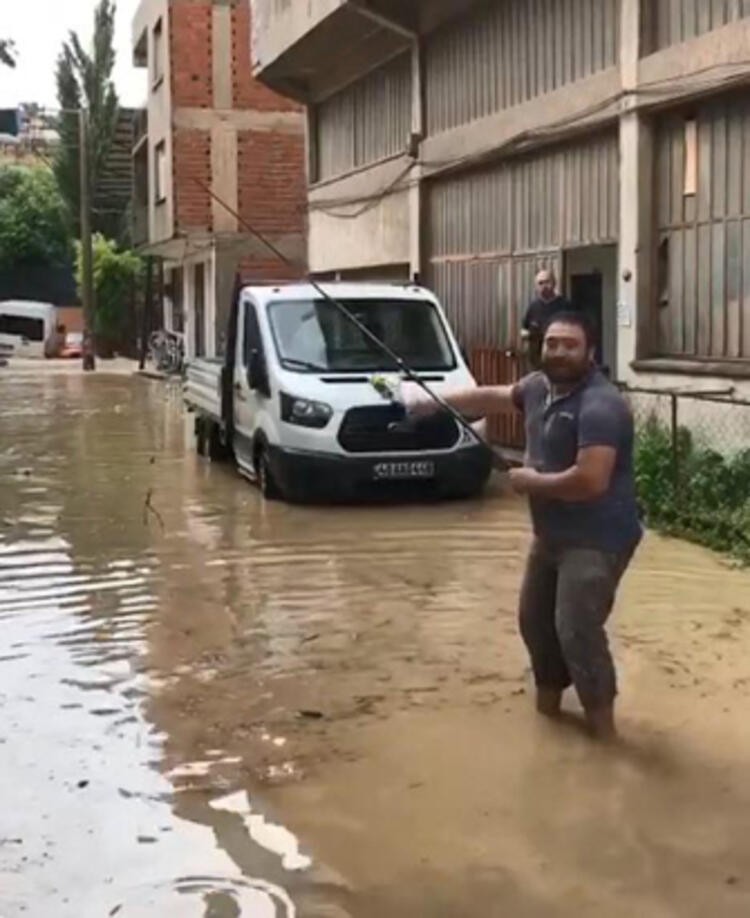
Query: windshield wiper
point(293, 363)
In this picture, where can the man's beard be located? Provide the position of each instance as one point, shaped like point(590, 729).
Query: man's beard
point(565, 372)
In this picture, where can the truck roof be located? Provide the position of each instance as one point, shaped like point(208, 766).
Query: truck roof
point(337, 290)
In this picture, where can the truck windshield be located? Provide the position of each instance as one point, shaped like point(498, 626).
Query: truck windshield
point(314, 335)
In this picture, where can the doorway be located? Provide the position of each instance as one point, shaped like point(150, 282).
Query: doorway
point(591, 284)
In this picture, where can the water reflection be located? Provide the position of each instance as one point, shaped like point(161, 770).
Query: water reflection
point(92, 826)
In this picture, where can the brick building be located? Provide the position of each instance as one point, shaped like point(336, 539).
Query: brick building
point(209, 124)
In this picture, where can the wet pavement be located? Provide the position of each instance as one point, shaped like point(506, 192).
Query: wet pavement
point(211, 706)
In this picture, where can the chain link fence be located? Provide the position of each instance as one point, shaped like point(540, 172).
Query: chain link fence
point(693, 465)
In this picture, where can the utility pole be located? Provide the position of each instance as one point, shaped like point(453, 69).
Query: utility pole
point(87, 254)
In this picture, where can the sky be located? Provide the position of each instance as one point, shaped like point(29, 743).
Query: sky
point(39, 28)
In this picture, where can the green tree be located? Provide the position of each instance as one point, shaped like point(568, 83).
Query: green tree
point(117, 276)
point(7, 52)
point(34, 226)
point(84, 80)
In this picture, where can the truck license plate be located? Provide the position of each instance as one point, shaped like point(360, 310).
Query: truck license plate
point(402, 471)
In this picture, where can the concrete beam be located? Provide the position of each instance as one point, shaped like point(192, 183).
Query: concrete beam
point(205, 119)
point(361, 235)
point(707, 64)
point(362, 184)
point(378, 236)
point(277, 27)
point(589, 102)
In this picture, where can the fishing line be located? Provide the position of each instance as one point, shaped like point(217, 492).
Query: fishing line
point(498, 459)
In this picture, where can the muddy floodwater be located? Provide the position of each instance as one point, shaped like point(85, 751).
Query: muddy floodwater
point(211, 706)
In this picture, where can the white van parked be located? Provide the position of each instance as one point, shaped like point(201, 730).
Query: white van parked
point(27, 326)
point(296, 400)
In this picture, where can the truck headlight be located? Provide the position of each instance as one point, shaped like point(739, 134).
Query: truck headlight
point(304, 412)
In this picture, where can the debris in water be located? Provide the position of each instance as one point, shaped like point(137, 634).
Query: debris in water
point(311, 715)
point(148, 507)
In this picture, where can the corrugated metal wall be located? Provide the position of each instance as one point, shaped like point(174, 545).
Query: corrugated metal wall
point(512, 51)
point(490, 231)
point(704, 255)
point(366, 122)
point(676, 21)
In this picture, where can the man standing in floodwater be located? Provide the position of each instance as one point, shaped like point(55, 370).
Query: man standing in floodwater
point(578, 476)
point(547, 302)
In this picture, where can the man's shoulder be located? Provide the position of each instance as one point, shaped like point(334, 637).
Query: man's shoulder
point(531, 388)
point(600, 392)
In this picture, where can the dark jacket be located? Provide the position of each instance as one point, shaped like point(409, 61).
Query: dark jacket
point(540, 312)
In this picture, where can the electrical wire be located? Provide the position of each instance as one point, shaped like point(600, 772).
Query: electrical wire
point(687, 85)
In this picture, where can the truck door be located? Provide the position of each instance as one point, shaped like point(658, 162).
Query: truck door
point(251, 384)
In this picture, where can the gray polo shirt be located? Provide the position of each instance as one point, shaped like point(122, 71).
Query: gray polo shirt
point(593, 414)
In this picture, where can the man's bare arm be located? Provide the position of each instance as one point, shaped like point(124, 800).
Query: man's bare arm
point(587, 480)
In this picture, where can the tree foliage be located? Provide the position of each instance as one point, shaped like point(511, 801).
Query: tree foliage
point(33, 218)
point(84, 80)
point(117, 274)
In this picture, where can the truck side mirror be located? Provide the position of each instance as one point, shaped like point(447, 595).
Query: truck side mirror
point(257, 378)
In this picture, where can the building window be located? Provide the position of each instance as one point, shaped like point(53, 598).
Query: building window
point(22, 327)
point(160, 172)
point(157, 60)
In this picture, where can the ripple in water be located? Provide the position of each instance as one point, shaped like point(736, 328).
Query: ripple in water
point(208, 897)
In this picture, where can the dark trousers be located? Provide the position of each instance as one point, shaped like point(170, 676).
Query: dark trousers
point(566, 599)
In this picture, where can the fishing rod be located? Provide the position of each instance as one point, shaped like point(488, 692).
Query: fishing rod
point(499, 461)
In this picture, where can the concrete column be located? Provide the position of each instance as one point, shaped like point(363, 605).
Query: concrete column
point(224, 175)
point(636, 250)
point(188, 308)
point(211, 310)
point(222, 56)
point(223, 134)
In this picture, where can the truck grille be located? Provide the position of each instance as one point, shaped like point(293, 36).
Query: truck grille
point(370, 430)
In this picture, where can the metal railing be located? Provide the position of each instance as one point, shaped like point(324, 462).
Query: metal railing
point(692, 462)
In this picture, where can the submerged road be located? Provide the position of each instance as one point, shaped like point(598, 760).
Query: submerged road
point(211, 706)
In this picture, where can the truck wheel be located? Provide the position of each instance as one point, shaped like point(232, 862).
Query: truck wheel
point(266, 482)
point(215, 448)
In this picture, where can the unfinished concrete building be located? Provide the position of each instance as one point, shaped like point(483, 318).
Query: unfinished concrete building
point(211, 133)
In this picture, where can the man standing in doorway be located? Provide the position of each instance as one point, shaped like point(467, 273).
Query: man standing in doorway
point(578, 476)
point(545, 305)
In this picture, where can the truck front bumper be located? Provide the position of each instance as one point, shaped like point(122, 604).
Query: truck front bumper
point(303, 476)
